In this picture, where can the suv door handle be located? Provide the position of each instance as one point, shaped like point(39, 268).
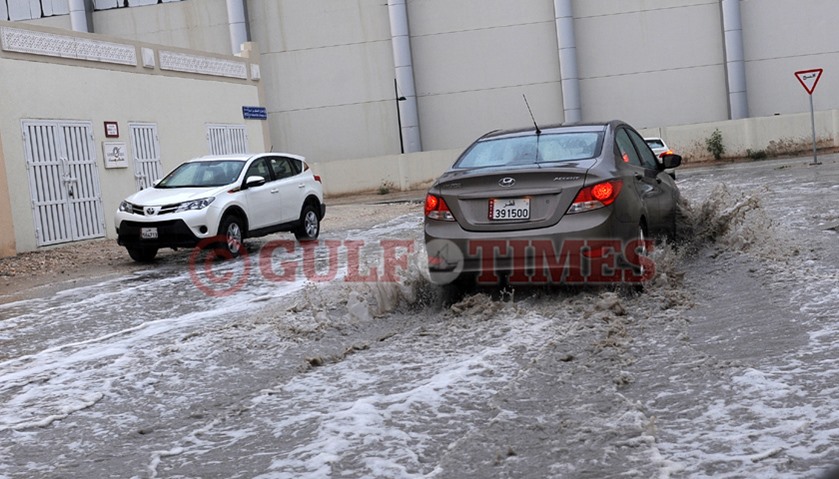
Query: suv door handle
point(275, 191)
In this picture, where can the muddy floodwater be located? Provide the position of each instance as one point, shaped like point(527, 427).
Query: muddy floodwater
point(344, 361)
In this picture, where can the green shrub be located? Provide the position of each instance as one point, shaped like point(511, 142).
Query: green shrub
point(714, 144)
point(756, 154)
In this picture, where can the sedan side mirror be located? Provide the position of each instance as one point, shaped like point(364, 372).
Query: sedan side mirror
point(671, 161)
point(253, 181)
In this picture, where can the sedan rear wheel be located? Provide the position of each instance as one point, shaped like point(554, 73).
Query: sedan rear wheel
point(643, 251)
point(642, 270)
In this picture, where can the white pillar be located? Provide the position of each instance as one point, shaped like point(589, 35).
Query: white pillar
point(567, 45)
point(78, 16)
point(404, 70)
point(237, 23)
point(735, 64)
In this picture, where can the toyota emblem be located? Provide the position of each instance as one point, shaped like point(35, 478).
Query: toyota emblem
point(506, 182)
point(149, 211)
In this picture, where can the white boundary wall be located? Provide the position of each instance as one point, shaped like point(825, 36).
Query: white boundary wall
point(776, 135)
point(394, 172)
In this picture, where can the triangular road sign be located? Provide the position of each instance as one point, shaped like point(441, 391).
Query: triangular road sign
point(809, 79)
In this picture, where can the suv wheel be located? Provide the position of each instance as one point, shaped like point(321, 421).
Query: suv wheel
point(231, 235)
point(142, 254)
point(309, 227)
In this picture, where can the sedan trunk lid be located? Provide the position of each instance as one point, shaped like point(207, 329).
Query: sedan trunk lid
point(493, 199)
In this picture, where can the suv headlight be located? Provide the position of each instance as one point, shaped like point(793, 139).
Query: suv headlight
point(195, 204)
point(126, 207)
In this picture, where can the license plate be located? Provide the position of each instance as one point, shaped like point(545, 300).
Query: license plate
point(148, 233)
point(505, 209)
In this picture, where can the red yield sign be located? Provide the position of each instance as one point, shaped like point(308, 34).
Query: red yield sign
point(809, 79)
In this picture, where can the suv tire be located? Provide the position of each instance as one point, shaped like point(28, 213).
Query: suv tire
point(309, 227)
point(231, 236)
point(142, 254)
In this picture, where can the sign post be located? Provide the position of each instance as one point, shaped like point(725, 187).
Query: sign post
point(809, 79)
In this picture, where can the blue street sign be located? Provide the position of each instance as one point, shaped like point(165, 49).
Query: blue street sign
point(254, 113)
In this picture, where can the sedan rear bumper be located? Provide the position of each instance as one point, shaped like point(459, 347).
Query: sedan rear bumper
point(591, 247)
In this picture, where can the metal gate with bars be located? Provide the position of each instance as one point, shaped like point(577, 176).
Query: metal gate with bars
point(147, 167)
point(63, 181)
point(227, 139)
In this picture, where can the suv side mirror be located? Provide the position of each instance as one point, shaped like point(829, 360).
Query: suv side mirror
point(671, 161)
point(254, 181)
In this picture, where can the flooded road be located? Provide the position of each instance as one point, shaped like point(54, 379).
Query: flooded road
point(284, 365)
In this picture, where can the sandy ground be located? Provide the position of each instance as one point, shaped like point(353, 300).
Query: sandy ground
point(87, 260)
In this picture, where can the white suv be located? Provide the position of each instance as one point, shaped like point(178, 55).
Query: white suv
point(218, 201)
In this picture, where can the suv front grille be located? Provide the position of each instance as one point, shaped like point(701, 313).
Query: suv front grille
point(164, 210)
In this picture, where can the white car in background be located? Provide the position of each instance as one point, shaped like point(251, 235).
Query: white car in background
point(218, 201)
point(660, 149)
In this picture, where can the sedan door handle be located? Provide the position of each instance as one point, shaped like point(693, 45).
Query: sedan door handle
point(301, 185)
point(275, 191)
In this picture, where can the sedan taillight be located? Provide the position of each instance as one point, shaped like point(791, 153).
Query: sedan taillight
point(596, 196)
point(437, 209)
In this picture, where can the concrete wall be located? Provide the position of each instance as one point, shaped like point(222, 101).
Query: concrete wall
point(57, 21)
point(782, 37)
point(474, 59)
point(7, 227)
point(47, 88)
point(651, 62)
point(776, 135)
point(328, 69)
point(394, 172)
point(196, 25)
point(654, 63)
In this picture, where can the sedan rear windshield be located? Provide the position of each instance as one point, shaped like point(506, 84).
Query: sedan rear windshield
point(203, 174)
point(532, 149)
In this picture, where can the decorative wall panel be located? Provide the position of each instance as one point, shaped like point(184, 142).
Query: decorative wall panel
point(64, 46)
point(184, 62)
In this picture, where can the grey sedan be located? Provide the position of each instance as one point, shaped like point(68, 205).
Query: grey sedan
point(563, 204)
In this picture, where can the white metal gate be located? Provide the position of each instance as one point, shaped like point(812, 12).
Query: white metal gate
point(227, 139)
point(146, 146)
point(63, 181)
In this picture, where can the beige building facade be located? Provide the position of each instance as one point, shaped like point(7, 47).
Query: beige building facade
point(88, 119)
point(329, 65)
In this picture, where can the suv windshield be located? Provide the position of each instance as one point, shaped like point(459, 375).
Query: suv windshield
point(203, 174)
point(522, 150)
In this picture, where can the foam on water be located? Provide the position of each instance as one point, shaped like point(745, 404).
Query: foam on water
point(400, 379)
